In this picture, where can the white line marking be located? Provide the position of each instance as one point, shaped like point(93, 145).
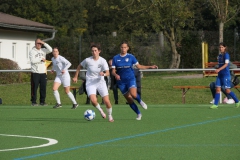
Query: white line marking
point(50, 142)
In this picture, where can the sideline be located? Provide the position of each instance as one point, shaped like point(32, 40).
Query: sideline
point(50, 142)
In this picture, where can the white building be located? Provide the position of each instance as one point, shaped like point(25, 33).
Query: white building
point(17, 38)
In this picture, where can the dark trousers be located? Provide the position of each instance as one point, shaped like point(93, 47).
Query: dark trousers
point(138, 81)
point(115, 92)
point(36, 80)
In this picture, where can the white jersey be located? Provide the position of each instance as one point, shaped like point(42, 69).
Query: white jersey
point(94, 67)
point(59, 64)
point(36, 56)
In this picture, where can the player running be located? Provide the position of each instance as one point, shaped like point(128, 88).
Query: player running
point(61, 65)
point(95, 82)
point(122, 70)
point(224, 77)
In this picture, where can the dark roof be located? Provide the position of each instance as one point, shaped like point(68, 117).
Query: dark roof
point(13, 22)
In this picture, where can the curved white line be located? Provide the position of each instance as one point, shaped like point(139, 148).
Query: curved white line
point(50, 142)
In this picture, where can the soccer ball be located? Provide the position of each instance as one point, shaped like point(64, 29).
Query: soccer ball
point(89, 115)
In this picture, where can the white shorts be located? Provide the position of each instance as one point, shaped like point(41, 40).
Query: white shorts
point(100, 86)
point(63, 79)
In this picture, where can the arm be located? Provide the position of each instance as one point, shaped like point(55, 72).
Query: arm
point(67, 64)
point(105, 74)
point(117, 77)
point(221, 68)
point(75, 78)
point(48, 48)
point(146, 67)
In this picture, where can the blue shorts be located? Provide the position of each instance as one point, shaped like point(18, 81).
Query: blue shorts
point(223, 81)
point(125, 86)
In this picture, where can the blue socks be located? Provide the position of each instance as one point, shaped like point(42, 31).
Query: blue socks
point(234, 97)
point(216, 99)
point(134, 108)
point(138, 98)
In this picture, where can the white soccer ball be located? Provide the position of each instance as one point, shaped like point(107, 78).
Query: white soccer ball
point(89, 115)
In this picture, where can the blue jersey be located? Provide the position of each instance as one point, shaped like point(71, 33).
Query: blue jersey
point(123, 66)
point(221, 61)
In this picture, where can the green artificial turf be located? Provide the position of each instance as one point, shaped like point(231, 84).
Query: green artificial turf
point(169, 132)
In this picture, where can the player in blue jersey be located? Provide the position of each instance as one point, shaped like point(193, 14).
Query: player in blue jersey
point(224, 77)
point(122, 70)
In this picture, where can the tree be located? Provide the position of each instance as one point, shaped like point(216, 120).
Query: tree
point(68, 16)
point(225, 11)
point(167, 16)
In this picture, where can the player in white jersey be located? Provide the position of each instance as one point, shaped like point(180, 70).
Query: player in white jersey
point(60, 66)
point(95, 66)
point(122, 70)
point(37, 58)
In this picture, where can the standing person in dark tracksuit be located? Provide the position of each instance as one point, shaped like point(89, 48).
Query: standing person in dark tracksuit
point(137, 74)
point(113, 82)
point(38, 71)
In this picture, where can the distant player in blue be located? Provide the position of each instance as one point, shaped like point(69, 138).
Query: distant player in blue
point(224, 77)
point(122, 70)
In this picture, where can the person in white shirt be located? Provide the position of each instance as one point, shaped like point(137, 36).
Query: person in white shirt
point(60, 66)
point(38, 71)
point(95, 66)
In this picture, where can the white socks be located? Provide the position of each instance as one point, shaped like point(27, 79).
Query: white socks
point(99, 108)
point(57, 96)
point(70, 95)
point(109, 110)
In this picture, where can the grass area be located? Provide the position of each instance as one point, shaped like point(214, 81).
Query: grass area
point(169, 130)
point(156, 89)
point(166, 132)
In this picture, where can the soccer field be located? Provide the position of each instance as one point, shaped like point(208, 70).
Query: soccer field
point(166, 132)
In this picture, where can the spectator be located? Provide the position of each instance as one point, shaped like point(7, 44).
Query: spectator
point(38, 71)
point(113, 82)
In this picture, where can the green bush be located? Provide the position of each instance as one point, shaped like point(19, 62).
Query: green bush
point(9, 77)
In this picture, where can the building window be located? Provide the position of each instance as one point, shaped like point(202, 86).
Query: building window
point(27, 50)
point(13, 50)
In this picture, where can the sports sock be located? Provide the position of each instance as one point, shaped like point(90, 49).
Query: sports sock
point(109, 110)
point(216, 99)
point(234, 97)
point(57, 96)
point(70, 95)
point(138, 98)
point(135, 108)
point(99, 108)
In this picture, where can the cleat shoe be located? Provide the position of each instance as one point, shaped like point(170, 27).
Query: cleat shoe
point(213, 107)
point(74, 106)
point(225, 100)
point(57, 105)
point(43, 104)
point(237, 104)
point(110, 118)
point(116, 102)
point(212, 101)
point(143, 105)
point(230, 101)
point(103, 114)
point(34, 104)
point(139, 117)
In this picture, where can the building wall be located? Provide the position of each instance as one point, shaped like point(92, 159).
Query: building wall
point(15, 45)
